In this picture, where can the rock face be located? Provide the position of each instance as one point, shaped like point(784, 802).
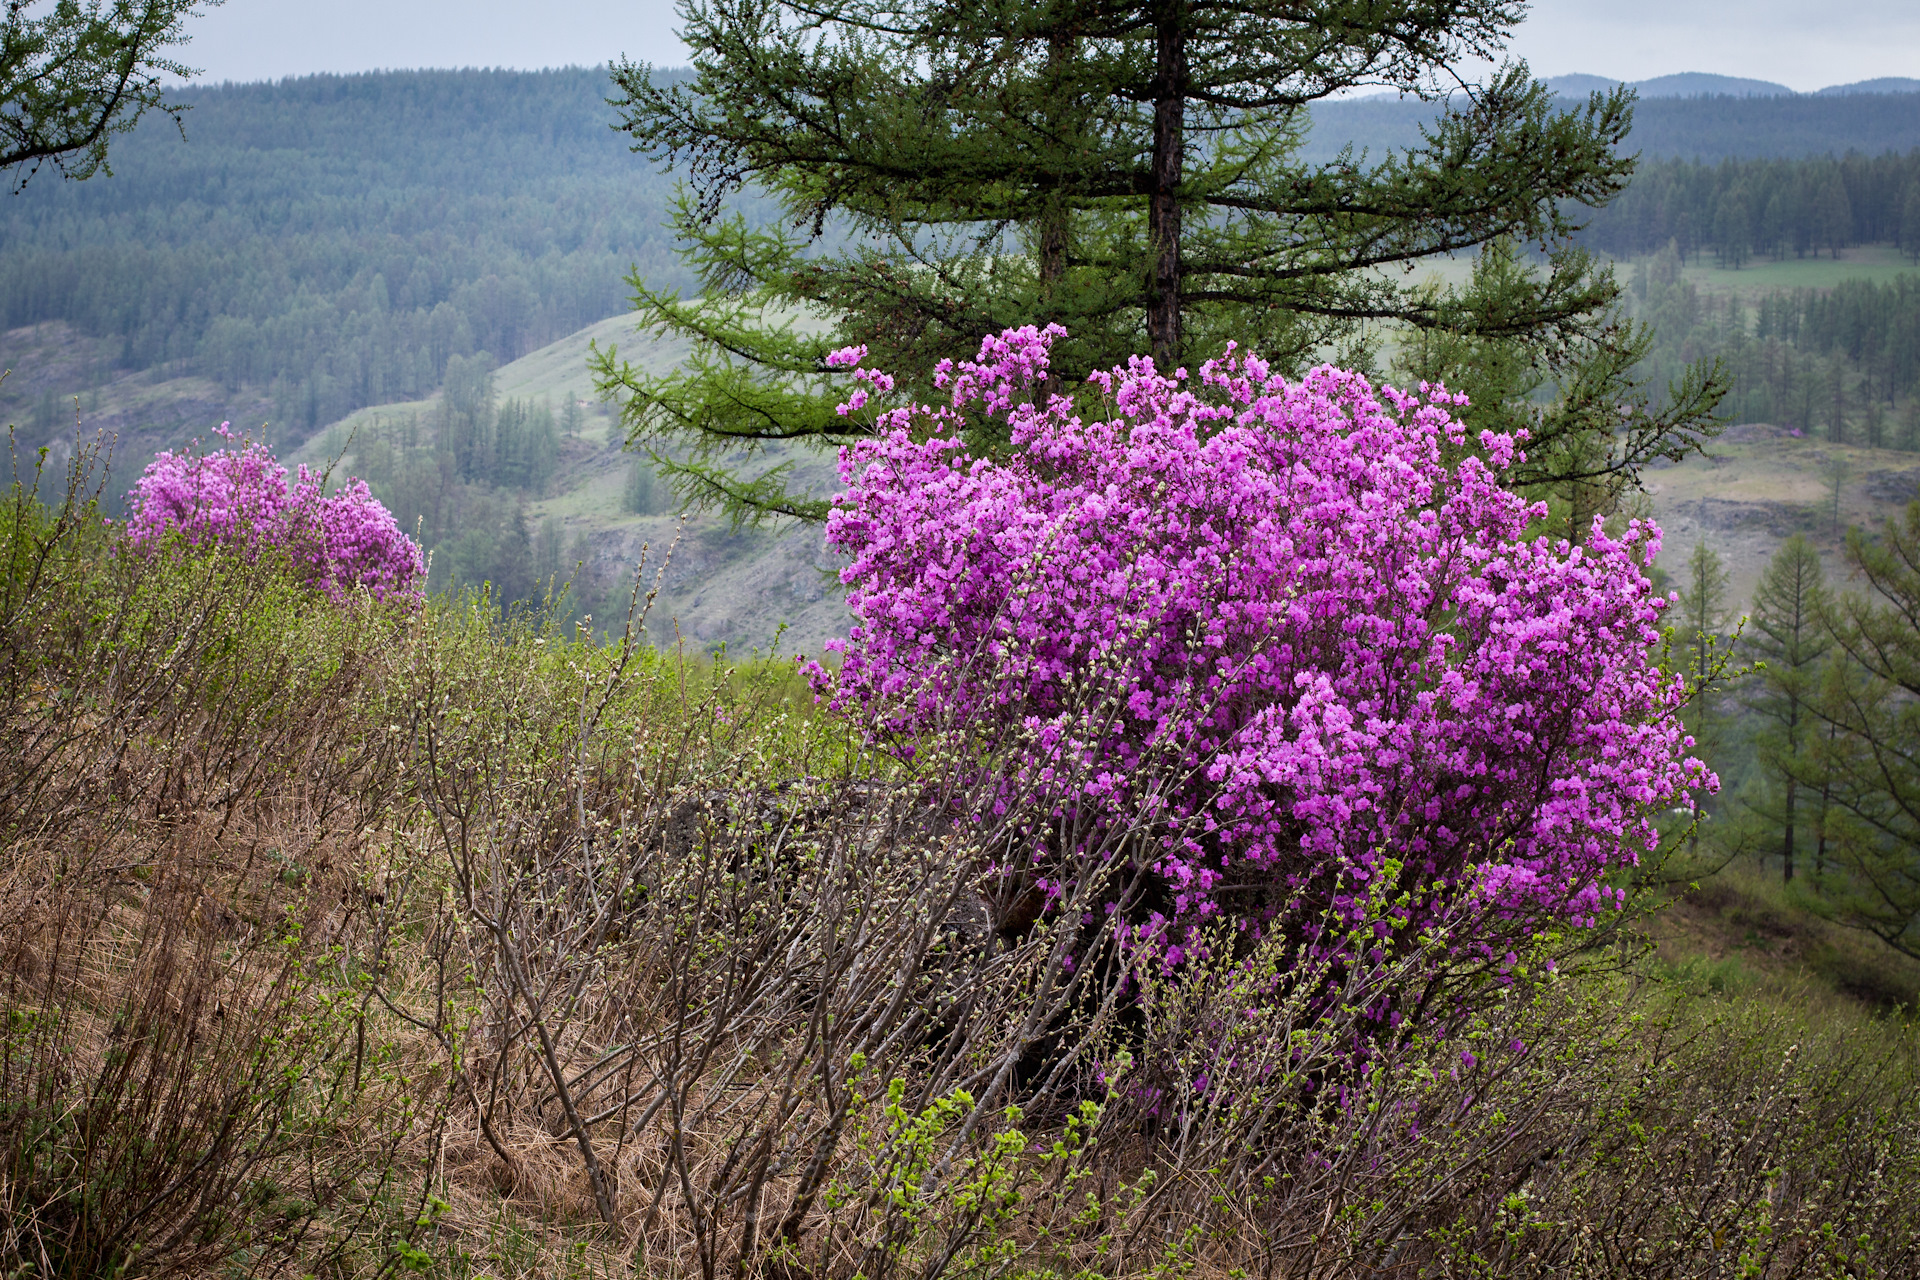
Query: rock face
point(1898, 487)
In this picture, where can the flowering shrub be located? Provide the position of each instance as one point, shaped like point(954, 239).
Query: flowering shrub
point(1296, 624)
point(240, 496)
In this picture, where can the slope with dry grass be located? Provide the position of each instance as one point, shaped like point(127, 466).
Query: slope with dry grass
point(354, 941)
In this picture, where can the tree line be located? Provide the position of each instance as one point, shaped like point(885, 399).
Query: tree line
point(1738, 209)
point(1689, 128)
point(459, 478)
point(1844, 362)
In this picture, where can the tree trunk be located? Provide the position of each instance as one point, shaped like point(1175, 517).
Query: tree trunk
point(1820, 818)
point(1061, 53)
point(1163, 208)
point(1786, 844)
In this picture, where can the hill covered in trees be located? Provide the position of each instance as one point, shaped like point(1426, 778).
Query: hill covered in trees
point(332, 241)
point(1665, 128)
point(314, 247)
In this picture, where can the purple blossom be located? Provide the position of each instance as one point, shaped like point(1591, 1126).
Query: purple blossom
point(1332, 659)
point(241, 497)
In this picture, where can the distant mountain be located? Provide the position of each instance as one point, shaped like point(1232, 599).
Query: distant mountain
point(1688, 124)
point(1579, 86)
point(1885, 84)
point(1699, 84)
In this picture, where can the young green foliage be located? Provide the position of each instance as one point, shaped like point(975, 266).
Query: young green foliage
point(77, 72)
point(1870, 702)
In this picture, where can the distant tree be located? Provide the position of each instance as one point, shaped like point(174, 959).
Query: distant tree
point(466, 427)
point(639, 497)
point(1787, 637)
point(548, 542)
point(1835, 472)
point(73, 73)
point(1833, 214)
point(1870, 702)
point(1836, 400)
point(1910, 221)
point(1700, 620)
point(570, 416)
point(1875, 423)
point(1129, 169)
point(1733, 230)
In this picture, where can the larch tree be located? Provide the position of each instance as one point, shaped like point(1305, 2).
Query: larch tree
point(1700, 618)
point(74, 73)
point(1132, 171)
point(1870, 705)
point(1787, 638)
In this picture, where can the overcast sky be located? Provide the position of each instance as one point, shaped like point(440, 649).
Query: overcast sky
point(1804, 44)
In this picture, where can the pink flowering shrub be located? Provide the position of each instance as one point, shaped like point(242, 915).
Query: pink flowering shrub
point(1297, 625)
point(241, 497)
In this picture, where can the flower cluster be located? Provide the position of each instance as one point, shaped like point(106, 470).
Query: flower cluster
point(241, 497)
point(1299, 623)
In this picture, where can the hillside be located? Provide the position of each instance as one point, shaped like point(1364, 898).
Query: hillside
point(317, 255)
point(1758, 484)
point(326, 243)
point(742, 588)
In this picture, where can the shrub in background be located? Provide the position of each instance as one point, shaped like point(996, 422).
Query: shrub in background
point(1299, 623)
point(241, 497)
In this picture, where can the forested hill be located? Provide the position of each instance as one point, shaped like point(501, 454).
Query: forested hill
point(1688, 128)
point(332, 240)
point(317, 245)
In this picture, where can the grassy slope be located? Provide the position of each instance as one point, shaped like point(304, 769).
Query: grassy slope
point(1877, 262)
point(1743, 932)
point(723, 586)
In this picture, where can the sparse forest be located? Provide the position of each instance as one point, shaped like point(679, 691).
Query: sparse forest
point(1843, 362)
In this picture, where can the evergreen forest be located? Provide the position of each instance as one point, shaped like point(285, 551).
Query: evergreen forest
point(335, 240)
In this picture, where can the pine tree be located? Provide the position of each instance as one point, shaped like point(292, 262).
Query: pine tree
point(1128, 169)
point(1787, 638)
point(1699, 619)
point(72, 75)
point(1870, 703)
